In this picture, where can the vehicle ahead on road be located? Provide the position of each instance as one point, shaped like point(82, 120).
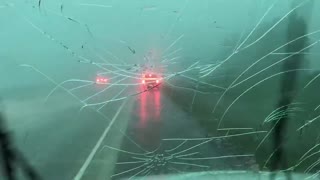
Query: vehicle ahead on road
point(151, 80)
point(101, 80)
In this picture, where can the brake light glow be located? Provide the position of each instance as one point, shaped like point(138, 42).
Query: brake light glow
point(101, 80)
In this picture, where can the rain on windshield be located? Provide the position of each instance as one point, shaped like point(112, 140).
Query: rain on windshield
point(147, 89)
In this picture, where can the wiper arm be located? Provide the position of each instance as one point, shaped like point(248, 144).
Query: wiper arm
point(11, 157)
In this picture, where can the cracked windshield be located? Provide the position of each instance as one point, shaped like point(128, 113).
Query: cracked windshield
point(149, 89)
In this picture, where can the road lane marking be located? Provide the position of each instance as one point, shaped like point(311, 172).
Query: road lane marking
point(94, 150)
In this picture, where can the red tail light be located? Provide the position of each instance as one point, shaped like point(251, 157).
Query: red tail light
point(101, 80)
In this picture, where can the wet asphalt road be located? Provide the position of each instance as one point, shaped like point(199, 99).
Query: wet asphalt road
point(64, 143)
point(144, 142)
